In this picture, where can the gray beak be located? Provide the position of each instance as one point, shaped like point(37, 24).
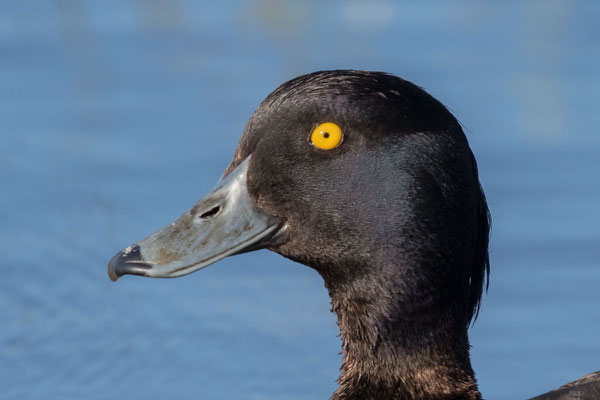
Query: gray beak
point(225, 222)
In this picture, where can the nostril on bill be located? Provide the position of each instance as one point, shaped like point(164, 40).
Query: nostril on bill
point(210, 213)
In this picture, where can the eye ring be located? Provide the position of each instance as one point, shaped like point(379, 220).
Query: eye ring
point(326, 136)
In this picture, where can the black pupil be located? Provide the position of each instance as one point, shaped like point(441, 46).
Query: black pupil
point(326, 135)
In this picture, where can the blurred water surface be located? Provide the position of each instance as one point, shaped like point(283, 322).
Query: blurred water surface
point(115, 116)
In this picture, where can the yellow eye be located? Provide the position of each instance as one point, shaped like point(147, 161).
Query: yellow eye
point(326, 136)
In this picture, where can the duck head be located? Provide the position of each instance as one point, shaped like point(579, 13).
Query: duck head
point(369, 180)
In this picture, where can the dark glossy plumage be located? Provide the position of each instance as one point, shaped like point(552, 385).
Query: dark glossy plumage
point(394, 220)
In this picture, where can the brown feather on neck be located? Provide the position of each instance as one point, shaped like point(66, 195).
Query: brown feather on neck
point(382, 360)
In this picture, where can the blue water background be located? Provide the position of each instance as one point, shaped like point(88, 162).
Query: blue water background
point(115, 116)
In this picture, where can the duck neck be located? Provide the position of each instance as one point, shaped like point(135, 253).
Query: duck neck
point(399, 349)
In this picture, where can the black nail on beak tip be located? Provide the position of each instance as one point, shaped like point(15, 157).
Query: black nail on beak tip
point(128, 261)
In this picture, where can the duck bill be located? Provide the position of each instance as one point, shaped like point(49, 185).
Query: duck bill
point(225, 222)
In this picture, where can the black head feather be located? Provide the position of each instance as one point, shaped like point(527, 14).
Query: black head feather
point(394, 220)
point(404, 178)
